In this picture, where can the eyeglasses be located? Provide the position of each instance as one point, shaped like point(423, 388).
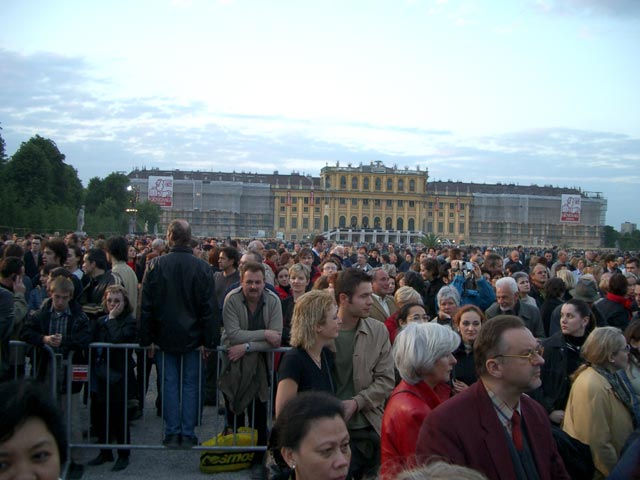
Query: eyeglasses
point(529, 356)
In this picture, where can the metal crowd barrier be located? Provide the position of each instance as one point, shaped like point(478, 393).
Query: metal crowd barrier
point(207, 428)
point(25, 359)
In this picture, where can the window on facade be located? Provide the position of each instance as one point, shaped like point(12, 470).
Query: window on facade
point(412, 185)
point(365, 202)
point(376, 203)
point(376, 222)
point(282, 209)
point(343, 201)
point(354, 221)
point(294, 200)
point(450, 214)
point(412, 224)
point(440, 227)
point(412, 204)
point(452, 206)
point(461, 228)
point(343, 182)
point(306, 200)
point(283, 199)
point(389, 203)
point(400, 185)
point(294, 209)
point(430, 205)
point(440, 214)
point(400, 203)
point(365, 222)
point(378, 184)
point(326, 222)
point(388, 224)
point(305, 209)
point(317, 210)
point(305, 223)
point(429, 227)
point(451, 227)
point(281, 223)
point(365, 184)
point(399, 224)
point(354, 202)
point(440, 205)
point(354, 183)
point(343, 221)
point(327, 183)
point(316, 223)
point(294, 222)
point(389, 184)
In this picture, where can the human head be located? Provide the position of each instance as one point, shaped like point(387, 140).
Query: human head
point(118, 249)
point(10, 267)
point(252, 280)
point(606, 347)
point(27, 408)
point(506, 293)
point(406, 295)
point(412, 312)
point(430, 269)
point(440, 471)
point(54, 251)
point(319, 243)
point(522, 280)
point(448, 300)
point(490, 342)
point(555, 288)
point(95, 261)
point(299, 275)
point(228, 255)
point(179, 233)
point(305, 256)
point(112, 291)
point(353, 293)
point(567, 277)
point(575, 318)
point(419, 347)
point(61, 292)
point(282, 276)
point(74, 258)
point(468, 321)
point(311, 435)
point(379, 281)
point(256, 246)
point(632, 334)
point(632, 266)
point(249, 257)
point(329, 266)
point(539, 275)
point(585, 289)
point(310, 314)
point(618, 284)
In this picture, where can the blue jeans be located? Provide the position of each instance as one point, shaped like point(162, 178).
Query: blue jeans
point(180, 375)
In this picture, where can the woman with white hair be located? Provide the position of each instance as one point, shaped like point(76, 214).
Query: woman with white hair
point(448, 300)
point(423, 357)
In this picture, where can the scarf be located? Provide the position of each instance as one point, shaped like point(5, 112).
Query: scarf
point(622, 390)
point(624, 301)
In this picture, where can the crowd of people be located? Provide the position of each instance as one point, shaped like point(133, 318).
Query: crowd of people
point(401, 361)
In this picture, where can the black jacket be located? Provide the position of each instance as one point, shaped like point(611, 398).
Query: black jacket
point(554, 392)
point(465, 369)
point(179, 309)
point(614, 314)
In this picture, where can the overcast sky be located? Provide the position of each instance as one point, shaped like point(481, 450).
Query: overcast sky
point(522, 91)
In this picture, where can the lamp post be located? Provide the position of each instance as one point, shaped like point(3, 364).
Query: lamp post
point(133, 210)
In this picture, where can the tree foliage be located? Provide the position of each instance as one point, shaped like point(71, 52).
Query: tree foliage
point(40, 191)
point(611, 236)
point(430, 240)
point(149, 213)
point(3, 153)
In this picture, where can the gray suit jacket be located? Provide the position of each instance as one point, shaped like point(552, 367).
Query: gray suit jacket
point(530, 316)
point(378, 312)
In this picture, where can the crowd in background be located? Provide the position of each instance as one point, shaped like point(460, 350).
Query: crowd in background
point(391, 331)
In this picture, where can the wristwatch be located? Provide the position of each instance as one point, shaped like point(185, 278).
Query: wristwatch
point(247, 347)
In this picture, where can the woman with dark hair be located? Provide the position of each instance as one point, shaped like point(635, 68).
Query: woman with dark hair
point(562, 358)
point(32, 435)
point(467, 322)
point(430, 271)
point(283, 289)
point(414, 280)
point(110, 369)
point(632, 334)
point(554, 293)
point(615, 308)
point(310, 439)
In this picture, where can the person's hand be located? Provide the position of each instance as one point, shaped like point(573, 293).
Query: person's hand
point(476, 270)
point(557, 416)
point(350, 407)
point(52, 340)
point(237, 352)
point(273, 338)
point(459, 386)
point(117, 310)
point(18, 285)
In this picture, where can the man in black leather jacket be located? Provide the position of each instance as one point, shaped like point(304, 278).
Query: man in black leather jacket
point(179, 314)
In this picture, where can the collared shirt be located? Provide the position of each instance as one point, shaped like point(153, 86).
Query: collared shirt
point(256, 320)
point(59, 321)
point(383, 304)
point(504, 411)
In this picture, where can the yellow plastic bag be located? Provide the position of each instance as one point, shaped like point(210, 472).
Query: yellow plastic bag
point(229, 461)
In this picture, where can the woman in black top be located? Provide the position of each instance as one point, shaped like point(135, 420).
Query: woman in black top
point(307, 366)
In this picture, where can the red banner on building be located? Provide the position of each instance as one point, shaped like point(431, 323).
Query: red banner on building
point(311, 195)
point(288, 198)
point(437, 206)
point(458, 204)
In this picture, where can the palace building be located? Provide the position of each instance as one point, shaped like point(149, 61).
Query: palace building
point(372, 203)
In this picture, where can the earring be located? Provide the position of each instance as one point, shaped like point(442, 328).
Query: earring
point(293, 466)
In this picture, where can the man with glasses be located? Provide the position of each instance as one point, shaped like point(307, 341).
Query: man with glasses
point(491, 426)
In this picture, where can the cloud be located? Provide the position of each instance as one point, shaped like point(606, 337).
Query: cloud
point(623, 9)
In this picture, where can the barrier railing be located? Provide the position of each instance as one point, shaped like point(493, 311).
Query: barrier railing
point(27, 360)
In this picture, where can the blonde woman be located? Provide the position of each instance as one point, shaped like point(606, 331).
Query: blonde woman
point(599, 411)
point(307, 366)
point(298, 280)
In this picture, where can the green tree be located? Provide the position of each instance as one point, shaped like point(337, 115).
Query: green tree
point(39, 191)
point(430, 240)
point(106, 201)
point(611, 236)
point(3, 154)
point(149, 213)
